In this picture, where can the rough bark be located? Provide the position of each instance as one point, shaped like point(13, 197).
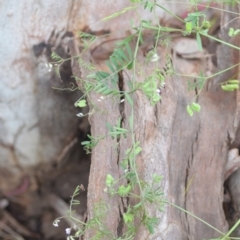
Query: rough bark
point(189, 152)
point(232, 183)
point(37, 122)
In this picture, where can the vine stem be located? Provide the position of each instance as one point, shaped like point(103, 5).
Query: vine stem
point(191, 214)
point(132, 108)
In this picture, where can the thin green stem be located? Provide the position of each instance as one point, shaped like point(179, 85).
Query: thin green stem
point(191, 214)
point(231, 230)
point(132, 108)
point(213, 75)
point(220, 41)
point(172, 14)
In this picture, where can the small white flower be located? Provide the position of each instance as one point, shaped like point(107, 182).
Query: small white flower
point(49, 66)
point(162, 85)
point(68, 231)
point(122, 100)
point(101, 98)
point(105, 189)
point(158, 91)
point(79, 114)
point(55, 223)
point(126, 170)
point(154, 58)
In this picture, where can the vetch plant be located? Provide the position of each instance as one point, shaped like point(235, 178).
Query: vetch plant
point(138, 192)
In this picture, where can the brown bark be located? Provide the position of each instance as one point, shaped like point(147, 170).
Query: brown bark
point(189, 152)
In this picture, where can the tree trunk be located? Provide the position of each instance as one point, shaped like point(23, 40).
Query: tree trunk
point(34, 130)
point(189, 152)
point(38, 125)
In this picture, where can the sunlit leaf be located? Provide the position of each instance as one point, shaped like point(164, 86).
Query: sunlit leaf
point(109, 180)
point(233, 81)
point(128, 217)
point(195, 107)
point(189, 110)
point(188, 27)
point(124, 191)
point(81, 103)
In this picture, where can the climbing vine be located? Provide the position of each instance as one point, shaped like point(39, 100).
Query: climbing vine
point(106, 84)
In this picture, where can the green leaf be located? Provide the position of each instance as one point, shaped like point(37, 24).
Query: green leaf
point(206, 25)
point(93, 76)
point(101, 89)
point(199, 41)
point(129, 99)
point(123, 191)
point(157, 178)
point(124, 164)
point(115, 133)
point(109, 127)
point(233, 81)
point(188, 27)
point(110, 66)
point(138, 150)
point(55, 56)
point(196, 14)
point(128, 217)
point(138, 205)
point(226, 88)
point(230, 32)
point(200, 80)
point(98, 86)
point(195, 107)
point(190, 18)
point(129, 50)
point(109, 180)
point(150, 223)
point(128, 151)
point(189, 110)
point(114, 62)
point(155, 98)
point(106, 91)
point(81, 103)
point(85, 143)
point(123, 130)
point(122, 54)
point(234, 86)
point(130, 65)
point(230, 87)
point(146, 24)
point(102, 75)
point(236, 32)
